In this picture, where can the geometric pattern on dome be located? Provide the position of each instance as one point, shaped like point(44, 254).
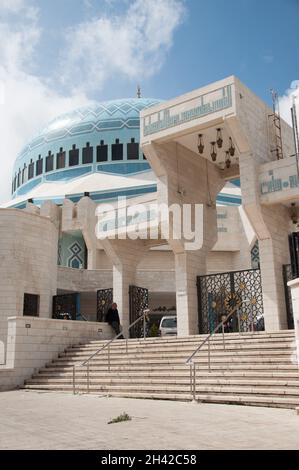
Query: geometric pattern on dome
point(106, 116)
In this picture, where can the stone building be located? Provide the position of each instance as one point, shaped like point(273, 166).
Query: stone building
point(215, 147)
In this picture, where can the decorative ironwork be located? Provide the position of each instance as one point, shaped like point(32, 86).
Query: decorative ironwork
point(66, 305)
point(138, 303)
point(219, 293)
point(31, 305)
point(288, 276)
point(104, 301)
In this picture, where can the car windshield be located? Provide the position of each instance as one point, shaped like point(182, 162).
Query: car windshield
point(169, 323)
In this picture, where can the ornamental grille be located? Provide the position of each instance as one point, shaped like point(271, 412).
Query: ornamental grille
point(218, 293)
point(104, 302)
point(138, 303)
point(288, 276)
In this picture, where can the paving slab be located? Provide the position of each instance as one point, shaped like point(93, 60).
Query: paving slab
point(43, 420)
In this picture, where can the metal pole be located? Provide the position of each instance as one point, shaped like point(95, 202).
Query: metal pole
point(239, 324)
point(252, 324)
point(191, 380)
point(88, 377)
point(74, 384)
point(194, 382)
point(209, 355)
point(109, 357)
point(127, 345)
point(144, 326)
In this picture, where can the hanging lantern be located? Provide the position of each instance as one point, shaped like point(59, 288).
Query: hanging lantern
point(200, 144)
point(232, 148)
point(227, 160)
point(213, 151)
point(219, 138)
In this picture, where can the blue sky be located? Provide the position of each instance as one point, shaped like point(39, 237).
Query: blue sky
point(253, 39)
point(56, 55)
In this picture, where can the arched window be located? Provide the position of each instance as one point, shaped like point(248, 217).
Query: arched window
point(49, 162)
point(60, 159)
point(133, 150)
point(39, 165)
point(87, 154)
point(31, 170)
point(74, 156)
point(102, 152)
point(117, 150)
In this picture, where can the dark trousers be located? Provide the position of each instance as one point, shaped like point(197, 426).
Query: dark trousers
point(115, 326)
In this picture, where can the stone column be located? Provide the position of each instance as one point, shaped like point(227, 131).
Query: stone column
point(185, 179)
point(272, 226)
point(125, 256)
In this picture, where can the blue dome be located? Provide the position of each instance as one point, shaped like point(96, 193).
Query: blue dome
point(101, 137)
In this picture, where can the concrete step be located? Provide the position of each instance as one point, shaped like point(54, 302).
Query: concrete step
point(254, 368)
point(174, 388)
point(177, 367)
point(201, 359)
point(160, 381)
point(256, 375)
point(181, 353)
point(251, 349)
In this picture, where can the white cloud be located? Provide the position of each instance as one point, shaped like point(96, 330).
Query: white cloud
point(286, 101)
point(27, 103)
point(133, 44)
point(12, 5)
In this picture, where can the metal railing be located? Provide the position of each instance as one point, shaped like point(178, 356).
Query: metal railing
point(86, 363)
point(190, 362)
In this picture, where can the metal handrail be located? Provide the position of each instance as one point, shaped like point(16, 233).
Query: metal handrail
point(190, 362)
point(107, 345)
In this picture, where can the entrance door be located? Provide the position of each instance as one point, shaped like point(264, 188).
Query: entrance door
point(66, 303)
point(218, 292)
point(104, 301)
point(138, 303)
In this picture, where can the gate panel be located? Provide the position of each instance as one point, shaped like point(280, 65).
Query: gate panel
point(104, 301)
point(67, 303)
point(138, 303)
point(212, 292)
point(288, 276)
point(216, 293)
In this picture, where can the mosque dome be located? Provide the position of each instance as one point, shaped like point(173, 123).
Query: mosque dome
point(97, 138)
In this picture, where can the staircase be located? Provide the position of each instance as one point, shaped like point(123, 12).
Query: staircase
point(258, 369)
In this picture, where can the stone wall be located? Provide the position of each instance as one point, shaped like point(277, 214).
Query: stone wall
point(33, 342)
point(28, 263)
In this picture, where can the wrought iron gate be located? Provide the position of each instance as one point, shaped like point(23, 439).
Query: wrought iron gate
point(104, 301)
point(217, 291)
point(288, 276)
point(66, 304)
point(138, 303)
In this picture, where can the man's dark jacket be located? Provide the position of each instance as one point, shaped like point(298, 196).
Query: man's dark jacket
point(112, 315)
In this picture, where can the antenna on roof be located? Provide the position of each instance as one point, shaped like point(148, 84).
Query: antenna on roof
point(138, 91)
point(277, 125)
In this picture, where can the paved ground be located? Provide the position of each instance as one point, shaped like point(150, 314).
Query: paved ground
point(32, 420)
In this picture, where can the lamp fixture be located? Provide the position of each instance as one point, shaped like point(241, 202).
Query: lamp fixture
point(200, 144)
point(232, 148)
point(227, 160)
point(213, 151)
point(219, 138)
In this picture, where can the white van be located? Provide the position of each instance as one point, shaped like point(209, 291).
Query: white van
point(168, 326)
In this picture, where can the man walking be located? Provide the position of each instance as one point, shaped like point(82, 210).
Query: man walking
point(112, 318)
